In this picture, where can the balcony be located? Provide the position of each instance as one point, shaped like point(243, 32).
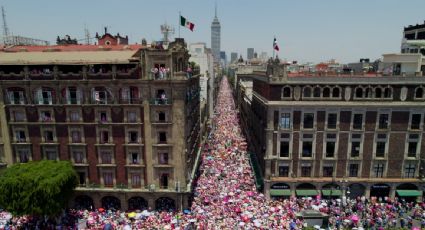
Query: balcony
point(161, 74)
point(160, 101)
point(12, 75)
point(131, 101)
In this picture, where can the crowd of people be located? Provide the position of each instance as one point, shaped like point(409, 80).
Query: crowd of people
point(225, 196)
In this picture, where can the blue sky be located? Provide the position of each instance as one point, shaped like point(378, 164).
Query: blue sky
point(306, 30)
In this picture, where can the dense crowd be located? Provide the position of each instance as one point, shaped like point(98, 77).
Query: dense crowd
point(225, 197)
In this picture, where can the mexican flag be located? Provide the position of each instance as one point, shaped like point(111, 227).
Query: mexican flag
point(186, 23)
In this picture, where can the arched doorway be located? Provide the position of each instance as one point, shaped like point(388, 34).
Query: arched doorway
point(306, 190)
point(355, 190)
point(380, 191)
point(331, 191)
point(137, 202)
point(280, 191)
point(408, 192)
point(84, 202)
point(111, 202)
point(165, 204)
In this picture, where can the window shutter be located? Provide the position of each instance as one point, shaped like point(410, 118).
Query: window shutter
point(40, 96)
point(68, 96)
point(79, 96)
point(21, 97)
point(10, 97)
point(49, 97)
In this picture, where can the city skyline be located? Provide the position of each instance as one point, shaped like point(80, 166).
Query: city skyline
point(348, 30)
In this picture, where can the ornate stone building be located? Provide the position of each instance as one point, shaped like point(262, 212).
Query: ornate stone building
point(335, 135)
point(127, 116)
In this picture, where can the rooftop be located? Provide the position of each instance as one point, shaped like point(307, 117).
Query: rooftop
point(70, 48)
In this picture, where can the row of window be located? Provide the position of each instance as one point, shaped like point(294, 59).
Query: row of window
point(103, 116)
point(355, 145)
point(106, 156)
point(360, 92)
point(357, 120)
point(76, 135)
point(378, 170)
point(75, 95)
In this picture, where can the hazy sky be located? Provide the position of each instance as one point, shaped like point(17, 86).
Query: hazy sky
point(306, 30)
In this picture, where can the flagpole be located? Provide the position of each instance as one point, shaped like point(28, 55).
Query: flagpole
point(273, 45)
point(180, 18)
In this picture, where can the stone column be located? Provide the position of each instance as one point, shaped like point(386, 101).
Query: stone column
point(267, 188)
point(392, 191)
point(367, 191)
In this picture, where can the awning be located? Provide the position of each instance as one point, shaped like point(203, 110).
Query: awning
point(408, 192)
point(306, 192)
point(280, 192)
point(330, 192)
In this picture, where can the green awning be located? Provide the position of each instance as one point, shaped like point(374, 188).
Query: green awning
point(306, 192)
point(280, 192)
point(408, 192)
point(330, 192)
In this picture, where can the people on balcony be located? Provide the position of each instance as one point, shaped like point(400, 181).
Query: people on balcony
point(160, 73)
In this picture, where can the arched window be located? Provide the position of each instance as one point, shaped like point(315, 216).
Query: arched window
point(388, 92)
point(359, 92)
point(378, 92)
point(326, 92)
point(336, 92)
point(286, 92)
point(419, 93)
point(307, 91)
point(111, 202)
point(317, 91)
point(165, 203)
point(369, 92)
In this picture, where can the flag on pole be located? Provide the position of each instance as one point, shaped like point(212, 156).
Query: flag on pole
point(186, 23)
point(275, 45)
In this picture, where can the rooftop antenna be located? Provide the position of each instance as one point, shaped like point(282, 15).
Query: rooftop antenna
point(166, 31)
point(87, 35)
point(216, 9)
point(5, 28)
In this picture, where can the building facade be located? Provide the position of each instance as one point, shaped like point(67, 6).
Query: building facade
point(126, 116)
point(249, 53)
point(352, 135)
point(216, 38)
point(411, 60)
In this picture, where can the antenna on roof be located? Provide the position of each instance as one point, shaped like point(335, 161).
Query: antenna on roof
point(87, 35)
point(166, 30)
point(5, 28)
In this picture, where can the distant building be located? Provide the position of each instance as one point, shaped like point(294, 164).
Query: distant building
point(250, 53)
point(413, 39)
point(223, 58)
point(411, 60)
point(364, 65)
point(66, 41)
point(264, 56)
point(109, 39)
point(216, 37)
point(233, 57)
point(203, 57)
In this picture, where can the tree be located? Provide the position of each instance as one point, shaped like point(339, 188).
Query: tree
point(37, 188)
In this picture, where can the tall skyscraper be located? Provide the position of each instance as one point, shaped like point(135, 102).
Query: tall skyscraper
point(233, 57)
point(250, 53)
point(215, 37)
